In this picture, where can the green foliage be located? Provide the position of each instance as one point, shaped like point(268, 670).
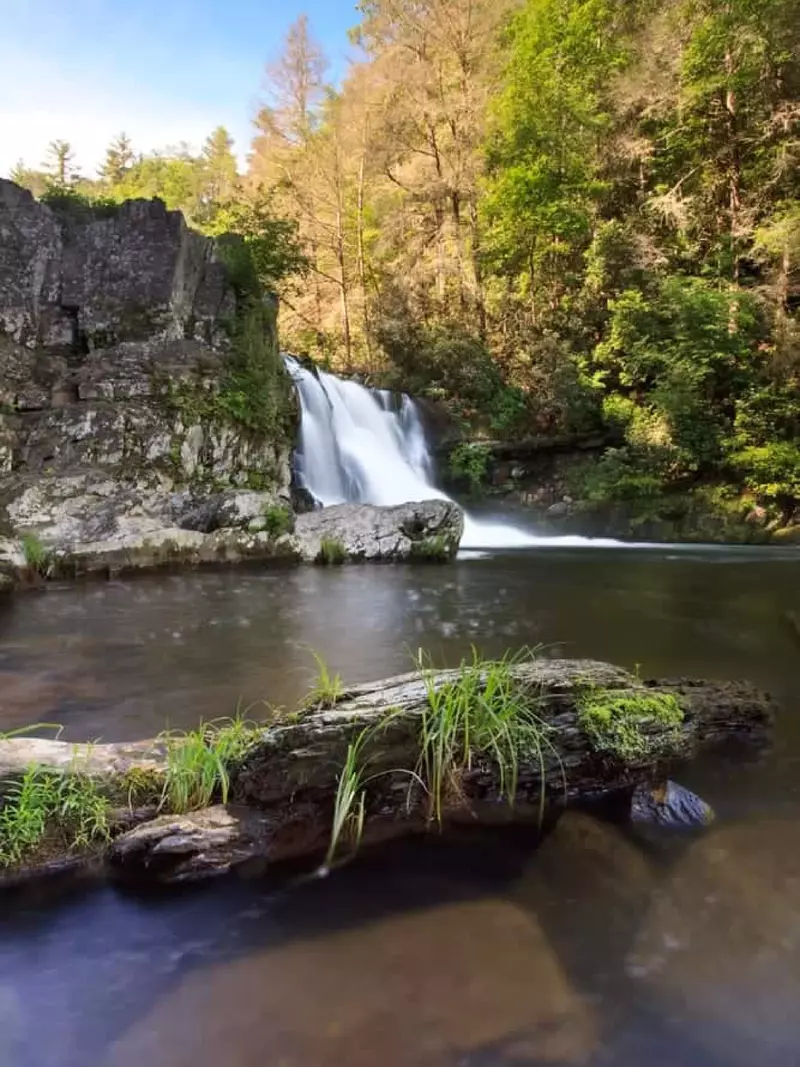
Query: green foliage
point(771, 471)
point(448, 363)
point(44, 807)
point(431, 550)
point(470, 463)
point(256, 392)
point(278, 520)
point(618, 722)
point(332, 552)
point(484, 713)
point(271, 241)
point(622, 474)
point(328, 686)
point(38, 557)
point(199, 762)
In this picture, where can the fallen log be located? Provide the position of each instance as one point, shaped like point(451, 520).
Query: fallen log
point(284, 791)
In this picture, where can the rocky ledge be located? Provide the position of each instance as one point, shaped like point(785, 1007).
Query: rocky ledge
point(103, 529)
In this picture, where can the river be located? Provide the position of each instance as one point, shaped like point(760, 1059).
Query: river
point(482, 950)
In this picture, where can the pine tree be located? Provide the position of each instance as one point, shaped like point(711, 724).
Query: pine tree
point(118, 161)
point(219, 167)
point(60, 163)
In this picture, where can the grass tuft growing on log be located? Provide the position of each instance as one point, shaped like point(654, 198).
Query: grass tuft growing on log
point(484, 713)
point(328, 686)
point(199, 762)
point(65, 810)
point(616, 722)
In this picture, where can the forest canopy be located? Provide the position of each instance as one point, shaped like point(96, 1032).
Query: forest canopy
point(554, 216)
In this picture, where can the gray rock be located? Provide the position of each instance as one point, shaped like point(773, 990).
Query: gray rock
point(186, 848)
point(558, 510)
point(113, 345)
point(369, 533)
point(671, 806)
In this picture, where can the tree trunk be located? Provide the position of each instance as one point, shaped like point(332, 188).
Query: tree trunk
point(361, 255)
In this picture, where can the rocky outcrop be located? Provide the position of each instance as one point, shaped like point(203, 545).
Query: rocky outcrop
point(429, 531)
point(123, 388)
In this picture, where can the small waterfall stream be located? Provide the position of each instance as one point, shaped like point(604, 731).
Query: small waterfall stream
point(357, 446)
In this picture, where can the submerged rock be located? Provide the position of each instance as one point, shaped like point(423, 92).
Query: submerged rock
point(671, 806)
point(719, 948)
point(427, 531)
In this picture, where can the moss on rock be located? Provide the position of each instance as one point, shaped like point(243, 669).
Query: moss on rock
point(616, 722)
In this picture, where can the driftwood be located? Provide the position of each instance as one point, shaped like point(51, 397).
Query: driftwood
point(283, 794)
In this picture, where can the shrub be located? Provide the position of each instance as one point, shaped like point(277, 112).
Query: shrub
point(470, 463)
point(622, 474)
point(772, 471)
point(38, 557)
point(278, 520)
point(431, 550)
point(332, 552)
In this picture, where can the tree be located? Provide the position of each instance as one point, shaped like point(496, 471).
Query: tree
point(60, 163)
point(219, 166)
point(35, 181)
point(118, 161)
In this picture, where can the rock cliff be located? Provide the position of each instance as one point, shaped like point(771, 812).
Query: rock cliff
point(146, 417)
point(130, 372)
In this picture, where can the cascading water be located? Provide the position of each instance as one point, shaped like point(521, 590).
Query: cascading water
point(356, 446)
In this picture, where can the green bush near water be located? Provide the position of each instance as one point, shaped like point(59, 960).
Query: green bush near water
point(431, 550)
point(469, 463)
point(278, 520)
point(38, 557)
point(332, 552)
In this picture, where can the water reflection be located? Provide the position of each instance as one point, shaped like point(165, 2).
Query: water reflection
point(120, 660)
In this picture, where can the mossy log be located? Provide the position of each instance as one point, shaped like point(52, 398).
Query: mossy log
point(282, 795)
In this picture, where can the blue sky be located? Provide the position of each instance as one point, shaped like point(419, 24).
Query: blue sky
point(162, 70)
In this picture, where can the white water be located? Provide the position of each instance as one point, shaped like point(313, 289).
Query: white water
point(356, 446)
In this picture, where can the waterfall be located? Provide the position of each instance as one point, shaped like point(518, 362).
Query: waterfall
point(358, 446)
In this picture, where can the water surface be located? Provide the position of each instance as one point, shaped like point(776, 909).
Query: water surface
point(487, 950)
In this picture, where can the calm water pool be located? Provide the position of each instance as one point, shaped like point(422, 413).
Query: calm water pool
point(588, 948)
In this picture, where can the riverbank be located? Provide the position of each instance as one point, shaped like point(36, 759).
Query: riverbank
point(551, 484)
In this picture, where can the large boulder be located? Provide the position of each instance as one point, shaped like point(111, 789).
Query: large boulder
point(428, 531)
